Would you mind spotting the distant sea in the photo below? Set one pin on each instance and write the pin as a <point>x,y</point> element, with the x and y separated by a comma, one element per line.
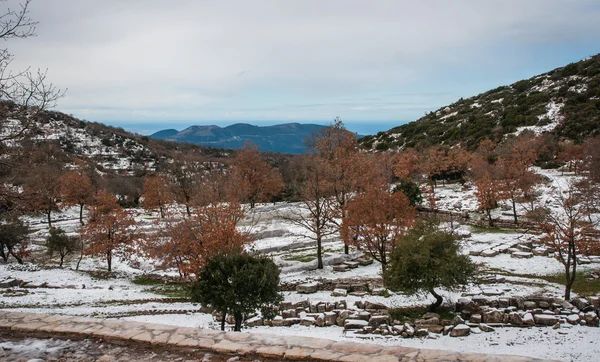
<point>147,128</point>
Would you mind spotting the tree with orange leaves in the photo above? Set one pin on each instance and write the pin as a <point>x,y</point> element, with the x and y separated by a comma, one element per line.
<point>188,244</point>
<point>337,148</point>
<point>569,229</point>
<point>376,219</point>
<point>254,180</point>
<point>407,164</point>
<point>77,189</point>
<point>110,231</point>
<point>157,194</point>
<point>487,187</point>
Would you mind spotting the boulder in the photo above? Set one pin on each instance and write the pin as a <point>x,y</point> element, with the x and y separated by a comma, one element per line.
<point>521,255</point>
<point>580,303</point>
<point>377,320</point>
<point>340,268</point>
<point>493,316</point>
<point>545,319</point>
<point>307,288</point>
<point>515,319</point>
<point>475,318</point>
<point>421,332</point>
<point>573,319</point>
<point>457,320</point>
<point>307,321</point>
<point>342,316</point>
<point>429,315</point>
<point>529,305</point>
<point>375,306</point>
<point>528,319</point>
<point>365,316</point>
<point>484,327</point>
<point>447,329</point>
<point>461,330</point>
<point>339,292</point>
<point>10,282</point>
<point>489,253</point>
<point>351,264</point>
<point>518,302</point>
<point>398,329</point>
<point>289,313</point>
<point>591,319</point>
<point>320,320</point>
<point>355,324</point>
<point>409,330</point>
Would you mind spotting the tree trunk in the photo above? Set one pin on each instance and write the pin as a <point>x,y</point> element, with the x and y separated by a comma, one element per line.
<point>319,253</point>
<point>438,300</point>
<point>514,207</point>
<point>187,209</point>
<point>162,212</point>
<point>80,256</point>
<point>3,254</point>
<point>81,214</point>
<point>346,249</point>
<point>223,317</point>
<point>238,322</point>
<point>49,218</point>
<point>490,220</point>
<point>62,258</point>
<point>109,259</point>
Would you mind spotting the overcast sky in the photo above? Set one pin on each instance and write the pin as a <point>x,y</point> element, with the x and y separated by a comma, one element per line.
<point>158,62</point>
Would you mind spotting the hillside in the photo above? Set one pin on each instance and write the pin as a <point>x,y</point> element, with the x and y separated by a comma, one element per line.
<point>282,138</point>
<point>564,102</point>
<point>112,149</point>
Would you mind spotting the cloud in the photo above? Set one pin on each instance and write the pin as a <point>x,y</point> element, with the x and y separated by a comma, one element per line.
<point>285,59</point>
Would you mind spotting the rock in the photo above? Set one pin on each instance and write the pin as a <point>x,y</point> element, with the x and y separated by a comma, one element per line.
<point>364,261</point>
<point>544,304</point>
<point>591,319</point>
<point>330,318</point>
<point>521,255</point>
<point>545,319</point>
<point>358,293</point>
<point>461,330</point>
<point>421,332</point>
<point>365,316</point>
<point>307,321</point>
<point>523,248</point>
<point>307,288</point>
<point>556,325</point>
<point>339,293</point>
<point>342,316</point>
<point>529,305</point>
<point>289,313</point>
<point>580,303</point>
<point>434,328</point>
<point>493,316</point>
<point>475,318</point>
<point>518,302</point>
<point>457,320</point>
<point>447,329</point>
<point>504,302</point>
<point>480,300</point>
<point>340,268</point>
<point>573,319</point>
<point>489,253</point>
<point>375,306</point>
<point>515,319</point>
<point>320,321</point>
<point>377,320</point>
<point>10,282</point>
<point>255,322</point>
<point>474,252</point>
<point>355,324</point>
<point>540,251</point>
<point>429,315</point>
<point>409,330</point>
<point>398,329</point>
<point>484,327</point>
<point>528,319</point>
<point>351,264</point>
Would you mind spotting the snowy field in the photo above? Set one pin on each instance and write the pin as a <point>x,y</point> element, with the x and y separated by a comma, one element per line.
<point>84,293</point>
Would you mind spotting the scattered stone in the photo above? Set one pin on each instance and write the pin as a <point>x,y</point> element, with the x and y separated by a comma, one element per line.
<point>375,306</point>
<point>339,292</point>
<point>489,253</point>
<point>528,319</point>
<point>351,264</point>
<point>521,255</point>
<point>484,327</point>
<point>355,324</point>
<point>492,316</point>
<point>457,320</point>
<point>461,330</point>
<point>515,319</point>
<point>307,288</point>
<point>544,319</point>
<point>475,318</point>
<point>340,268</point>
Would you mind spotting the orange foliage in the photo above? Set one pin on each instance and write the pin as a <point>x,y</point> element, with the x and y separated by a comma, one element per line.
<point>253,179</point>
<point>188,245</point>
<point>376,219</point>
<point>157,194</point>
<point>110,231</point>
<point>77,189</point>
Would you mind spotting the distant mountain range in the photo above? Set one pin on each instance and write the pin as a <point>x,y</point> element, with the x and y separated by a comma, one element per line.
<point>283,138</point>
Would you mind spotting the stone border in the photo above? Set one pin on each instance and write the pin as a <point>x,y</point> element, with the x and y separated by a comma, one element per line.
<point>263,345</point>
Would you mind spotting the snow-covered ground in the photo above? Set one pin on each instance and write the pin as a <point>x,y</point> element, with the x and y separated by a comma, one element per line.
<point>79,293</point>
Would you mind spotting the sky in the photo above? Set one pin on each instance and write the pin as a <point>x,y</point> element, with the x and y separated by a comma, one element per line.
<point>147,65</point>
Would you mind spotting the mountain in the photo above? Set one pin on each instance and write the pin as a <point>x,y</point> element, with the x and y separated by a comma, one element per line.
<point>283,138</point>
<point>113,149</point>
<point>564,102</point>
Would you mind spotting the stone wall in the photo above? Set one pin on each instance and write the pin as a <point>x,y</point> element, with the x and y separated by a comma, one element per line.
<point>264,346</point>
